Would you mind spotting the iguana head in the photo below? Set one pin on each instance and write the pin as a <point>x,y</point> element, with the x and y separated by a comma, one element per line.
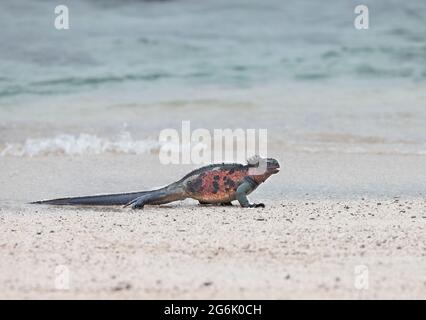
<point>262,168</point>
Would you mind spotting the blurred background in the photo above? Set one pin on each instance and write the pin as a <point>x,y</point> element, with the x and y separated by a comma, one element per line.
<point>127,69</point>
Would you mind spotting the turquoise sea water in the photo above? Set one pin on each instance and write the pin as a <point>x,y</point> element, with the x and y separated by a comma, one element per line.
<point>188,42</point>
<point>127,69</point>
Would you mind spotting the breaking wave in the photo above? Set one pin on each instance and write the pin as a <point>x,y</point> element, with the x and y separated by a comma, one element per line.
<point>81,144</point>
<point>124,143</point>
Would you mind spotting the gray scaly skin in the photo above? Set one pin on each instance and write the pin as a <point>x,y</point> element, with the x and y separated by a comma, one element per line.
<point>212,184</point>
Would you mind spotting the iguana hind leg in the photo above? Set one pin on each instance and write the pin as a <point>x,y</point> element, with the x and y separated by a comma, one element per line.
<point>154,198</point>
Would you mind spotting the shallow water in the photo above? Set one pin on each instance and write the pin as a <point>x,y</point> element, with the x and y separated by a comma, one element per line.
<point>126,70</point>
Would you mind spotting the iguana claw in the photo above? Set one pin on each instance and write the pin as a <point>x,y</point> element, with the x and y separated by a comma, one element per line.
<point>137,203</point>
<point>257,205</point>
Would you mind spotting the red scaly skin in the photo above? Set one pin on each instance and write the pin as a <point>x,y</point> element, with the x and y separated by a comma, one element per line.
<point>217,185</point>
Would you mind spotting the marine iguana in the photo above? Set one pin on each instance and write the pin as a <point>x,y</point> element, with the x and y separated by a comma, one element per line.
<point>211,184</point>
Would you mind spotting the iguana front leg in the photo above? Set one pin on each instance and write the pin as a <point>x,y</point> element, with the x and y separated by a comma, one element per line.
<point>242,191</point>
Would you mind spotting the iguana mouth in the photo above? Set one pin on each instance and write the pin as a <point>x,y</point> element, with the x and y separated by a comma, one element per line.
<point>275,168</point>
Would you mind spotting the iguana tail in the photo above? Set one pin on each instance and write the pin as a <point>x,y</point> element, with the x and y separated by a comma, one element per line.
<point>101,200</point>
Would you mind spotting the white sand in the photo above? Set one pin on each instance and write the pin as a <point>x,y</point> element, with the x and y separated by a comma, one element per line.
<point>299,246</point>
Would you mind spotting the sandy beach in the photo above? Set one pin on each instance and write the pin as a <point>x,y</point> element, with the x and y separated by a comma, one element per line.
<point>84,109</point>
<point>301,245</point>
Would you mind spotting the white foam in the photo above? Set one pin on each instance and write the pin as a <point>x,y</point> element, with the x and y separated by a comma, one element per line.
<point>81,144</point>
